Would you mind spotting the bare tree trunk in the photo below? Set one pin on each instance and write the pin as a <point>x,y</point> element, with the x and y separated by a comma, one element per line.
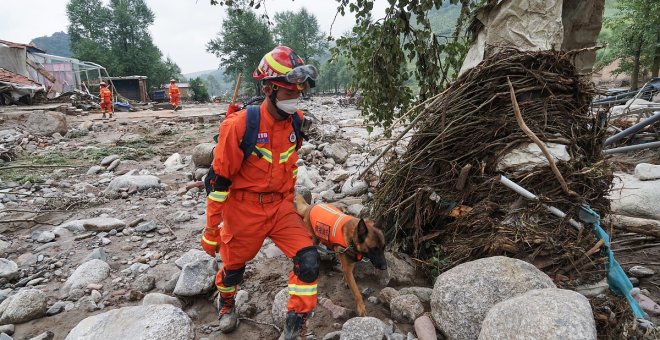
<point>634,77</point>
<point>656,58</point>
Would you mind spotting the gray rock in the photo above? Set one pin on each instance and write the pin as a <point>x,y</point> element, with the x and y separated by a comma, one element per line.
<point>181,216</point>
<point>278,310</point>
<point>337,152</point>
<point>94,169</point>
<point>4,336</point>
<point>191,256</point>
<point>196,278</point>
<point>174,162</point>
<point>527,157</point>
<point>4,247</point>
<point>338,175</point>
<point>94,224</point>
<point>43,236</point>
<point>541,314</point>
<point>400,268</point>
<point>171,283</point>
<point>144,283</point>
<point>336,335</point>
<point>26,305</point>
<point>8,269</point>
<point>423,293</point>
<point>425,329</point>
<point>7,329</point>
<point>406,308</point>
<point>647,172</point>
<point>56,308</point>
<point>48,335</point>
<point>355,209</point>
<point>150,322</point>
<point>47,123</point>
<point>242,297</point>
<point>96,254</point>
<point>593,290</point>
<point>463,295</point>
<point>631,197</point>
<point>92,271</point>
<point>354,187</point>
<point>202,155</point>
<point>364,328</point>
<point>109,159</point>
<point>146,227</point>
<point>136,268</point>
<point>641,272</point>
<point>160,299</point>
<point>386,295</point>
<point>139,182</point>
<point>113,165</point>
<point>200,173</point>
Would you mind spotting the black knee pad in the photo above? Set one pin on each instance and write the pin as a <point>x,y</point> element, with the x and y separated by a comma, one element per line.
<point>306,264</point>
<point>232,277</point>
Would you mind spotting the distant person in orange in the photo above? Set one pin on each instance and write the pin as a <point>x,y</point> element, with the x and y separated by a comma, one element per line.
<point>174,94</point>
<point>106,99</point>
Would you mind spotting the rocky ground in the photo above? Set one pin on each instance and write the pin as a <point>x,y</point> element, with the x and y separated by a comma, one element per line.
<point>104,226</point>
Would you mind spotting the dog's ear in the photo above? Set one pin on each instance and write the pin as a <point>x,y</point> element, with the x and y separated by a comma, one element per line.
<point>362,231</point>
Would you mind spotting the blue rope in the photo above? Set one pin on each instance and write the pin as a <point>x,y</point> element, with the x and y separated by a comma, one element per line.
<point>616,278</point>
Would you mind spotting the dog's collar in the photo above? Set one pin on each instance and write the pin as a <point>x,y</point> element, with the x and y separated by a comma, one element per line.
<point>358,255</point>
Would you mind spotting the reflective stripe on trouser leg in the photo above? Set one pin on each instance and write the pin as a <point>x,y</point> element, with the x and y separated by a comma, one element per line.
<point>302,295</point>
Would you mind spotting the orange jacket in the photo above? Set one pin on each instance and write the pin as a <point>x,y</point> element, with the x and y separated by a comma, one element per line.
<point>174,90</point>
<point>328,222</point>
<point>106,94</point>
<point>276,171</point>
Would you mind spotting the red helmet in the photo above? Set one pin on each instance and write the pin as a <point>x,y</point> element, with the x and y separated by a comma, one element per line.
<point>284,68</point>
<point>103,83</point>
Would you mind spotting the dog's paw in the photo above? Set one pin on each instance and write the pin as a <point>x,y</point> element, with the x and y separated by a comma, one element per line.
<point>361,310</point>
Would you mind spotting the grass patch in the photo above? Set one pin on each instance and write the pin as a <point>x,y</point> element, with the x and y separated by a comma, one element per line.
<point>52,158</point>
<point>21,176</point>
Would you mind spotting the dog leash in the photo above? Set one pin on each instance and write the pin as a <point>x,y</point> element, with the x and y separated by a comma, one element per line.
<point>327,251</point>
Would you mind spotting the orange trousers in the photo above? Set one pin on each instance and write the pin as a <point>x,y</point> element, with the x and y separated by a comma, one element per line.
<point>246,224</point>
<point>106,106</point>
<point>174,100</point>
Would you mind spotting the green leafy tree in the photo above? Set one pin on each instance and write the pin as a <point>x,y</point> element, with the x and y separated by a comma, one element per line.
<point>633,38</point>
<point>336,76</point>
<point>242,42</point>
<point>117,37</point>
<point>301,32</point>
<point>391,53</point>
<point>199,91</point>
<point>213,85</point>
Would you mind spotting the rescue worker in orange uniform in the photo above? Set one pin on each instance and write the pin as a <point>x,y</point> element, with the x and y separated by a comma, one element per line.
<point>106,99</point>
<point>174,94</point>
<point>252,199</point>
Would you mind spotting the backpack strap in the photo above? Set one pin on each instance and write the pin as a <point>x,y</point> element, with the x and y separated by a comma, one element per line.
<point>297,129</point>
<point>249,142</point>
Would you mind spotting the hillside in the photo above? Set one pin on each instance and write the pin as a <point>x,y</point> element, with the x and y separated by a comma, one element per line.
<point>56,44</point>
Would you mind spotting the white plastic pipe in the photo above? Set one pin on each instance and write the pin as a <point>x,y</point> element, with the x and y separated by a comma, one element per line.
<point>524,193</point>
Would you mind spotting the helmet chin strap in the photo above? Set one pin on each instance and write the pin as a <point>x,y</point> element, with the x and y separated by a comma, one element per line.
<point>273,100</point>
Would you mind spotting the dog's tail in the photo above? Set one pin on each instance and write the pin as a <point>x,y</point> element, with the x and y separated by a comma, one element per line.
<point>300,204</point>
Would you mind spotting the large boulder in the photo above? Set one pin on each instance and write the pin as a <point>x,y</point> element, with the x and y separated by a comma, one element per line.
<point>541,314</point>
<point>47,123</point>
<point>337,152</point>
<point>137,182</point>
<point>354,186</point>
<point>364,328</point>
<point>8,269</point>
<point>101,223</point>
<point>202,155</point>
<point>22,307</point>
<point>527,157</point>
<point>647,172</point>
<point>406,308</point>
<point>150,322</point>
<point>463,295</point>
<point>92,271</point>
<point>632,197</point>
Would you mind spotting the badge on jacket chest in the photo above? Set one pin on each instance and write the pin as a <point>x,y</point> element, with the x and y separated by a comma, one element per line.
<point>262,137</point>
<point>292,137</point>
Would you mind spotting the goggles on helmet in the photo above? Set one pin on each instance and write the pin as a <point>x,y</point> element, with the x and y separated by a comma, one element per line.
<point>298,75</point>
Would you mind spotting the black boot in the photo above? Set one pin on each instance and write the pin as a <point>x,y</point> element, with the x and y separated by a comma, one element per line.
<point>295,326</point>
<point>228,316</point>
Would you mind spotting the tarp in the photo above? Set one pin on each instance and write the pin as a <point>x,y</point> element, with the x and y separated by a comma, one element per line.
<point>13,60</point>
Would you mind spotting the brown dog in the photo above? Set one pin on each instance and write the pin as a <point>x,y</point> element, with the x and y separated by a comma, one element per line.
<point>349,237</point>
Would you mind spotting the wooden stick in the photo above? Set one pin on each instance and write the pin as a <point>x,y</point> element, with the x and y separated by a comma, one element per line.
<point>538,142</point>
<point>636,225</point>
<point>237,88</point>
<point>463,176</point>
<point>39,166</point>
<point>262,323</point>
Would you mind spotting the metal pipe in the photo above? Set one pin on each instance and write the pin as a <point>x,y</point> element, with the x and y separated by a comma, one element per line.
<point>524,193</point>
<point>631,148</point>
<point>633,129</point>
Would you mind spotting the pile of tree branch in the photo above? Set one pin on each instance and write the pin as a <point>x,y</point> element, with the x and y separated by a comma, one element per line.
<point>450,168</point>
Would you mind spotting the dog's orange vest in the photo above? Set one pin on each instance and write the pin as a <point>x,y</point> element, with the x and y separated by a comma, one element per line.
<point>328,222</point>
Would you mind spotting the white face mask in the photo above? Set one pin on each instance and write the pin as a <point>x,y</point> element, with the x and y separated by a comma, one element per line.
<point>289,105</point>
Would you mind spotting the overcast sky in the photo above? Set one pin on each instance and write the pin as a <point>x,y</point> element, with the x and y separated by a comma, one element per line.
<point>181,28</point>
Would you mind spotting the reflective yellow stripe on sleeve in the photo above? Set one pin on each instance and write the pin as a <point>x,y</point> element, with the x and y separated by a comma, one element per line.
<point>218,196</point>
<point>230,289</point>
<point>302,290</point>
<point>207,241</point>
<point>284,156</point>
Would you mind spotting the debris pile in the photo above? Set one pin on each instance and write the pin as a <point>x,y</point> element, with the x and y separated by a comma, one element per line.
<point>471,136</point>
